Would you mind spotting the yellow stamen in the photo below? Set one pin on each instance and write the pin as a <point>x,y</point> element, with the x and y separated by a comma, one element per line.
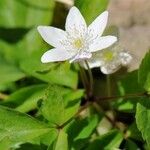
<point>78,43</point>
<point>108,55</point>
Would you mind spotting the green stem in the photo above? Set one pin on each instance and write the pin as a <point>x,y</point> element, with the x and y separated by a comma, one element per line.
<point>144,94</point>
<point>76,115</point>
<point>84,79</point>
<point>90,78</point>
<point>108,84</point>
<point>101,111</point>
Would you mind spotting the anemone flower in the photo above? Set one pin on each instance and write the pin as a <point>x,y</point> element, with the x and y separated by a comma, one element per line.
<point>109,60</point>
<point>78,41</point>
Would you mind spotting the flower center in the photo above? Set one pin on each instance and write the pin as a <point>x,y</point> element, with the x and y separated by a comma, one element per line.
<point>78,43</point>
<point>108,55</point>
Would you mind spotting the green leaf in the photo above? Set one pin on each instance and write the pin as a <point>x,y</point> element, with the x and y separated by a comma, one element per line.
<point>13,55</point>
<point>80,130</point>
<point>109,141</point>
<point>130,145</point>
<point>56,73</point>
<point>19,127</point>
<point>147,83</point>
<point>49,138</point>
<point>9,72</point>
<point>142,119</point>
<point>24,48</point>
<point>5,144</point>
<point>25,99</point>
<point>126,87</point>
<point>25,13</point>
<point>133,132</point>
<point>88,129</point>
<point>16,53</point>
<point>60,104</point>
<point>91,9</point>
<point>62,141</point>
<point>144,72</point>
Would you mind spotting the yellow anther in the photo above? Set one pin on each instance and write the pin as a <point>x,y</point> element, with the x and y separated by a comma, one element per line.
<point>108,55</point>
<point>78,43</point>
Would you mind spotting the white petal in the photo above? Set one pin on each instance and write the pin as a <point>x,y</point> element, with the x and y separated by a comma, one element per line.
<point>52,36</point>
<point>55,55</point>
<point>75,22</point>
<point>125,58</point>
<point>92,64</point>
<point>97,27</point>
<point>95,62</point>
<point>81,56</point>
<point>102,43</point>
<point>109,68</point>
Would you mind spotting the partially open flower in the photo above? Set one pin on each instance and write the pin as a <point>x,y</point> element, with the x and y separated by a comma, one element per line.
<point>78,42</point>
<point>109,60</point>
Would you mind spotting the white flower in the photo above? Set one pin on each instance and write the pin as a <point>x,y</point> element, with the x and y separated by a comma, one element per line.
<point>109,60</point>
<point>78,42</point>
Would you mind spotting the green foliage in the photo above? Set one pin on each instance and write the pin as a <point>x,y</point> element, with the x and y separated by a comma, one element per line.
<point>130,145</point>
<point>91,9</point>
<point>9,73</point>
<point>80,131</point>
<point>144,72</point>
<point>26,99</point>
<point>49,138</point>
<point>133,132</point>
<point>61,116</point>
<point>126,87</point>
<point>60,104</point>
<point>143,108</point>
<point>108,141</point>
<point>51,73</point>
<point>21,13</point>
<point>88,129</point>
<point>142,119</point>
<point>18,127</point>
<point>62,141</point>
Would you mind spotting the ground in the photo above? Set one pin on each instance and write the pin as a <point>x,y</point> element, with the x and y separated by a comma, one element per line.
<point>132,18</point>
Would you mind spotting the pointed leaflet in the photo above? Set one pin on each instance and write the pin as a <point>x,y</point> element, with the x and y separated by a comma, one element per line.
<point>144,72</point>
<point>52,72</point>
<point>126,87</point>
<point>19,127</point>
<point>107,141</point>
<point>142,119</point>
<point>60,104</point>
<point>62,141</point>
<point>25,99</point>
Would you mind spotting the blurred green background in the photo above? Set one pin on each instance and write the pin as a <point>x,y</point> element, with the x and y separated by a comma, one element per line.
<point>23,78</point>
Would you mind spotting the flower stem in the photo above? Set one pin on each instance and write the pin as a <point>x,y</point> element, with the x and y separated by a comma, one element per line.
<point>90,78</point>
<point>99,109</point>
<point>108,84</point>
<point>144,94</point>
<point>84,78</point>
